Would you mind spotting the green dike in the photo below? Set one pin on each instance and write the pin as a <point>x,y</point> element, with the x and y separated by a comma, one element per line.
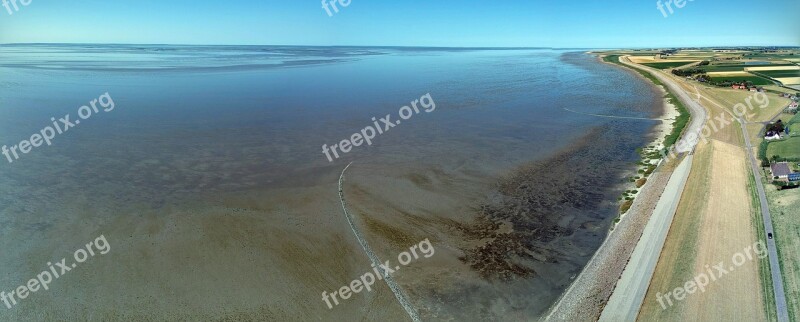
<point>681,121</point>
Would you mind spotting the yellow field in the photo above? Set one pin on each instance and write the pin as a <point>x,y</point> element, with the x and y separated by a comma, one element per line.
<point>642,59</point>
<point>728,98</point>
<point>789,80</point>
<point>715,220</point>
<point>729,74</point>
<point>768,68</point>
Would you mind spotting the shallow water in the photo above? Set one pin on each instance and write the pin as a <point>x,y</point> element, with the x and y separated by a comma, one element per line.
<point>194,125</point>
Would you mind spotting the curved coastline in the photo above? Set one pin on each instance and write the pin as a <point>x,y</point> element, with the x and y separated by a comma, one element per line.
<point>586,297</point>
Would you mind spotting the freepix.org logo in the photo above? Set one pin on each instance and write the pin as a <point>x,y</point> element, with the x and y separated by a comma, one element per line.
<point>668,5</point>
<point>332,6</point>
<point>12,6</point>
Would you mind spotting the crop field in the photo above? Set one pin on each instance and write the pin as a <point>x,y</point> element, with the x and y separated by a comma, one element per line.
<point>724,68</point>
<point>775,67</point>
<point>668,65</point>
<point>789,148</point>
<point>781,73</point>
<point>756,80</point>
<point>789,80</point>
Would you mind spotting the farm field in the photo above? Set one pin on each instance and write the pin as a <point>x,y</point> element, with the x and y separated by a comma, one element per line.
<point>784,204</point>
<point>709,213</point>
<point>789,148</point>
<point>789,80</point>
<point>724,68</point>
<point>756,80</point>
<point>668,65</point>
<point>781,73</point>
<point>775,67</point>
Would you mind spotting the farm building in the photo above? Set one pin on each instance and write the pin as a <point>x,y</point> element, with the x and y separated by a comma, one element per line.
<point>780,170</point>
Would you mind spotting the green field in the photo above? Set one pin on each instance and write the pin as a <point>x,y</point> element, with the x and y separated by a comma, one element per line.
<point>736,67</point>
<point>780,73</point>
<point>666,65</point>
<point>789,148</point>
<point>724,68</point>
<point>753,79</point>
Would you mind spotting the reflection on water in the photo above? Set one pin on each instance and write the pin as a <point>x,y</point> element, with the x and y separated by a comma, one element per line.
<point>194,125</point>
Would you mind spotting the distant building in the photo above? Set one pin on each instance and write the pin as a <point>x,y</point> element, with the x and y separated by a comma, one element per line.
<point>780,170</point>
<point>772,135</point>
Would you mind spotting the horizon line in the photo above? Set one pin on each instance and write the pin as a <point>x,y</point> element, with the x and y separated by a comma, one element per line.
<point>404,46</point>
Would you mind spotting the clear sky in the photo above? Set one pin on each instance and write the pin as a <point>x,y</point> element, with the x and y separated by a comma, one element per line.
<point>483,23</point>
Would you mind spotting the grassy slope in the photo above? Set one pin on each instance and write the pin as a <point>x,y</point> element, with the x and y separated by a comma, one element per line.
<point>666,65</point>
<point>764,272</point>
<point>681,121</point>
<point>786,220</point>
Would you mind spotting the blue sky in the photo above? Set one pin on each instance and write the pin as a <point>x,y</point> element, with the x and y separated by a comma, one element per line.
<point>534,23</point>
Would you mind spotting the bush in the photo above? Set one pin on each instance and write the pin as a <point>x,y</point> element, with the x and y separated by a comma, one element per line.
<point>625,206</point>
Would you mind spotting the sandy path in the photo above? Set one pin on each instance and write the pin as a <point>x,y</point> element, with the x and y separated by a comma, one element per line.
<point>630,291</point>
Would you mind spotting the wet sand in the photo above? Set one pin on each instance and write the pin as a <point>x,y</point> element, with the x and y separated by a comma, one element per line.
<point>239,218</point>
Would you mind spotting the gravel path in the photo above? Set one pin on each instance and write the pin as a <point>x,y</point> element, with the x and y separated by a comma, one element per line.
<point>629,292</point>
<point>588,294</point>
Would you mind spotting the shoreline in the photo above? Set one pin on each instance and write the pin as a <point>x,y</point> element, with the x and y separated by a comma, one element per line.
<point>669,115</point>
<point>588,293</point>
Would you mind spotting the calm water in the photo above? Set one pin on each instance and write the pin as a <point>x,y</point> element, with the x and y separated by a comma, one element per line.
<point>194,123</point>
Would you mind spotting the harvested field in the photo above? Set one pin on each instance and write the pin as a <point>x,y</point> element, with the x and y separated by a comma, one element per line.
<point>789,80</point>
<point>715,220</point>
<point>728,73</point>
<point>772,68</point>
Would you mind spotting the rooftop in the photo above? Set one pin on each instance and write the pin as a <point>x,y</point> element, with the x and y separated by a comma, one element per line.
<point>780,169</point>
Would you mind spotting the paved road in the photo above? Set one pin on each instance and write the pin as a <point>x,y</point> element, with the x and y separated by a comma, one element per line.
<point>699,114</point>
<point>774,264</point>
<point>695,107</point>
<point>631,289</point>
<point>629,293</point>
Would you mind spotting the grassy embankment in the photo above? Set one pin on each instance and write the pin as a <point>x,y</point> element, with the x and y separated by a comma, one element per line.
<point>668,64</point>
<point>650,154</point>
